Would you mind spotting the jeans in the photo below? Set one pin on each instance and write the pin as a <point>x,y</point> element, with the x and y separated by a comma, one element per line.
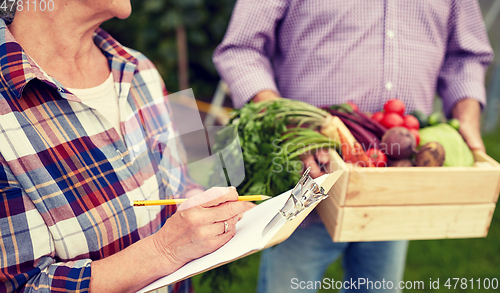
<point>308,252</point>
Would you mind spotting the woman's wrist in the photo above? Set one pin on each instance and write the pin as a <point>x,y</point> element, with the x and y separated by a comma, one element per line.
<point>163,255</point>
<point>132,268</point>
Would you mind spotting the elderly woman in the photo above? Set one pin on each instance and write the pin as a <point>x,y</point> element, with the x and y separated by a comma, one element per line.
<point>73,104</point>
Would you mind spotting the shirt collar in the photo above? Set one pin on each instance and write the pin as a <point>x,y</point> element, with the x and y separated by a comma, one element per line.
<point>18,69</point>
<point>112,48</point>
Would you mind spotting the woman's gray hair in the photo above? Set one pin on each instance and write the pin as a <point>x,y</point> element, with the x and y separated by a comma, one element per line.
<point>7,15</point>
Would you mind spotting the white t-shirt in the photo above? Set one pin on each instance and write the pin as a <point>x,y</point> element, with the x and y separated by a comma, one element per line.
<point>104,99</point>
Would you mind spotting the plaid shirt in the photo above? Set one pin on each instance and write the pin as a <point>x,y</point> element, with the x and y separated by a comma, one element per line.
<point>67,177</point>
<point>328,52</point>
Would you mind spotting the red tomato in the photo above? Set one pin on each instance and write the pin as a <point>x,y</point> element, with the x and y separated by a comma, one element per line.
<point>377,116</point>
<point>416,134</point>
<point>378,158</point>
<point>411,122</point>
<point>394,106</point>
<point>391,120</point>
<point>354,107</point>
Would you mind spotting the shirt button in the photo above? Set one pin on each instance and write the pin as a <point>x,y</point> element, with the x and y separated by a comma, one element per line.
<point>388,86</point>
<point>390,34</point>
<point>120,154</point>
<point>137,148</point>
<point>60,89</point>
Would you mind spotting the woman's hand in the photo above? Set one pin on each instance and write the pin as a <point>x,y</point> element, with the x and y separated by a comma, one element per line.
<point>198,227</point>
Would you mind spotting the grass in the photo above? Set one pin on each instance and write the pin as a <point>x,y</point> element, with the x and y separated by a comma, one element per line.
<point>427,259</point>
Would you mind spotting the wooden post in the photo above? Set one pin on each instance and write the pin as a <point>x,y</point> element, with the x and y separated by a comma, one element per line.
<point>183,57</point>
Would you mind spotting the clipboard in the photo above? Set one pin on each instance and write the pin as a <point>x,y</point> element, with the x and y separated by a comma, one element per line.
<point>295,205</point>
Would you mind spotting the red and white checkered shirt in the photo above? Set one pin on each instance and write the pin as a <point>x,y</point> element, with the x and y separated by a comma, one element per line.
<point>66,175</point>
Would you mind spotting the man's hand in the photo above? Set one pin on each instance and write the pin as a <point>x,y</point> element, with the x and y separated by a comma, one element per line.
<point>265,95</point>
<point>317,161</point>
<point>468,112</point>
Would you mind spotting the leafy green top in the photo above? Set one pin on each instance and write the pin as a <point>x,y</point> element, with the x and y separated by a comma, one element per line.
<point>273,134</point>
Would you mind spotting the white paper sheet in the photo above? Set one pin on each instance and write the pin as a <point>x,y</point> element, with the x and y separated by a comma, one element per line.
<point>248,237</point>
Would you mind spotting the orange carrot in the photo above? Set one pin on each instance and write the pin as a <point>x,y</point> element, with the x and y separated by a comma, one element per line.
<point>362,156</point>
<point>354,154</point>
<point>346,149</point>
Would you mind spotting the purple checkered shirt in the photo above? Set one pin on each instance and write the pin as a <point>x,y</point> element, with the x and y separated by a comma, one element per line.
<point>328,52</point>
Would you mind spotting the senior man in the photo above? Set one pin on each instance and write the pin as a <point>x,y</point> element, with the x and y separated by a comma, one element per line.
<point>366,51</point>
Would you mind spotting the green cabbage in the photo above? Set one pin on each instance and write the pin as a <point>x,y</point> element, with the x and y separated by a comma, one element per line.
<point>457,152</point>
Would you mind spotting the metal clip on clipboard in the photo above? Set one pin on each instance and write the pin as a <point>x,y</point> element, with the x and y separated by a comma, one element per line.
<point>303,195</point>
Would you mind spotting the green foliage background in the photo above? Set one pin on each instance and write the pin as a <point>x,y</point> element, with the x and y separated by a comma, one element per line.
<point>151,29</point>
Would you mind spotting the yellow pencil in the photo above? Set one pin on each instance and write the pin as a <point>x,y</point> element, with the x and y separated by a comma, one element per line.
<point>140,203</point>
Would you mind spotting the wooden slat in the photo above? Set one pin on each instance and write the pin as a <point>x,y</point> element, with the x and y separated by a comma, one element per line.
<point>413,186</point>
<point>483,157</point>
<point>480,156</point>
<point>331,214</point>
<point>416,222</point>
<point>417,185</point>
<point>339,190</point>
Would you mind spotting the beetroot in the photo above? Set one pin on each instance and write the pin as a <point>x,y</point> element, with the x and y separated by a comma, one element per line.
<point>398,143</point>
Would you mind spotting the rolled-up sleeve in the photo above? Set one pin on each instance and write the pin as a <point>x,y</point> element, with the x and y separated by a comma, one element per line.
<point>243,57</point>
<point>27,260</point>
<point>467,57</point>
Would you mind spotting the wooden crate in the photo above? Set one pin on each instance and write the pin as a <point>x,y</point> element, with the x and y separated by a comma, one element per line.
<point>375,204</point>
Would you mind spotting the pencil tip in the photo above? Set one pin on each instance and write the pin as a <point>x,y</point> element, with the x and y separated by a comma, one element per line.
<point>264,197</point>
